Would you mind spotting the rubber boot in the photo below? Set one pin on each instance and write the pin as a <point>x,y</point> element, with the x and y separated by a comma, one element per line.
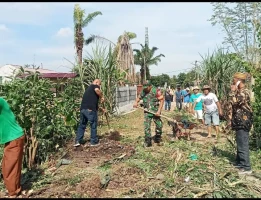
<point>157,138</point>
<point>147,142</point>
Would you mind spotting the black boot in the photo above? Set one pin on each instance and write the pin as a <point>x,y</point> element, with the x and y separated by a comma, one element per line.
<point>147,142</point>
<point>157,138</point>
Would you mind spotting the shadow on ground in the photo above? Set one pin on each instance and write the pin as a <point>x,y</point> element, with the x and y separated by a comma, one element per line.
<point>30,177</point>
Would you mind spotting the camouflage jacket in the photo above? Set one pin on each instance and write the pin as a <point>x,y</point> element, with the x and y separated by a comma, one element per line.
<point>240,110</point>
<point>150,100</point>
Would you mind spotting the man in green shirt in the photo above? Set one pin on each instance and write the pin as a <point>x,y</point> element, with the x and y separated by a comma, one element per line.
<point>12,136</point>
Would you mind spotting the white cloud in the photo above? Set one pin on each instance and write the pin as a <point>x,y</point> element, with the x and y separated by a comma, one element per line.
<point>65,32</point>
<point>3,27</point>
<point>179,30</point>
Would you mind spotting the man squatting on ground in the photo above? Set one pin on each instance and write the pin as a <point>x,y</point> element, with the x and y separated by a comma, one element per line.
<point>12,136</point>
<point>153,101</point>
<point>241,116</point>
<point>89,113</point>
<point>212,109</point>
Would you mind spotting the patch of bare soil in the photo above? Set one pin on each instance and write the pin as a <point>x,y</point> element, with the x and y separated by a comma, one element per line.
<point>125,178</point>
<point>91,187</point>
<point>87,158</point>
<point>109,148</point>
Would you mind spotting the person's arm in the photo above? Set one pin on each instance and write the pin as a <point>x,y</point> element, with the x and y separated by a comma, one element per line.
<point>1,105</point>
<point>135,105</point>
<point>243,97</point>
<point>197,100</point>
<point>190,104</point>
<point>160,97</point>
<point>99,93</point>
<point>218,104</point>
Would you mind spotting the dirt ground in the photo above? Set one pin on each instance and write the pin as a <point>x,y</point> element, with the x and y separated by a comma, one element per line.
<point>118,167</point>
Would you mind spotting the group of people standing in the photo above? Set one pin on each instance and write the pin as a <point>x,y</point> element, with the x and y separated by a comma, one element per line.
<point>182,98</point>
<point>205,106</point>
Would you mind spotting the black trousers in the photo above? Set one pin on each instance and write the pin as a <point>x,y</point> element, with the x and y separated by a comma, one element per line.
<point>243,157</point>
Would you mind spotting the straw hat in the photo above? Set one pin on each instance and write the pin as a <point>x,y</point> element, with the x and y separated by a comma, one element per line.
<point>206,87</point>
<point>187,88</point>
<point>240,75</point>
<point>196,88</point>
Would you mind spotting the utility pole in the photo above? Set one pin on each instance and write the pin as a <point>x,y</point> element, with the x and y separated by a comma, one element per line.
<point>144,56</point>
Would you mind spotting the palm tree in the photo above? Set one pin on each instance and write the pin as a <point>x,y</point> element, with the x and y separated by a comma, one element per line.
<point>81,22</point>
<point>145,58</point>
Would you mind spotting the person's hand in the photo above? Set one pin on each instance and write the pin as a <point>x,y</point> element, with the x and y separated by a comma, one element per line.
<point>157,114</point>
<point>233,88</point>
<point>102,100</point>
<point>104,110</point>
<point>221,113</point>
<point>229,123</point>
<point>135,105</point>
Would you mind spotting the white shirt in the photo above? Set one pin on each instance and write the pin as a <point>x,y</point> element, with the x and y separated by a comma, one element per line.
<point>209,101</point>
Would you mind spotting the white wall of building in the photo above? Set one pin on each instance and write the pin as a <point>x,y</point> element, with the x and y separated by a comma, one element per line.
<point>7,72</point>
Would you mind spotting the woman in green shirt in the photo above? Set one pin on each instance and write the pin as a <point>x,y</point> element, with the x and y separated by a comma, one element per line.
<point>12,136</point>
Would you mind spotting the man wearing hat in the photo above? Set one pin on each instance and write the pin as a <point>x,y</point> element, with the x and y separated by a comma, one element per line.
<point>241,116</point>
<point>212,109</point>
<point>153,101</point>
<point>198,110</point>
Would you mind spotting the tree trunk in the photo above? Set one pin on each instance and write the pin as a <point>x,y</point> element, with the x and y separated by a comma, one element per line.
<point>147,73</point>
<point>79,56</point>
<point>142,74</point>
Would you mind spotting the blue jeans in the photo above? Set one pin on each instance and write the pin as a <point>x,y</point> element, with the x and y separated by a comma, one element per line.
<point>167,104</point>
<point>242,140</point>
<point>85,117</point>
<point>179,104</point>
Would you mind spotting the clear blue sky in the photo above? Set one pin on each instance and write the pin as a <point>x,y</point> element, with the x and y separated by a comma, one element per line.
<point>44,31</point>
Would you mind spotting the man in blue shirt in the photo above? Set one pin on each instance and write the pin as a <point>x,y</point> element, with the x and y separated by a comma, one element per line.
<point>179,98</point>
<point>198,110</point>
<point>186,95</point>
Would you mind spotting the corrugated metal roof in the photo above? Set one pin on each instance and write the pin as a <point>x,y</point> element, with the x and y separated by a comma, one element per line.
<point>54,75</point>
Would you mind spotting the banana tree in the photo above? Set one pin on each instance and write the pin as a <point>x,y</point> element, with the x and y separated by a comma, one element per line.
<point>145,58</point>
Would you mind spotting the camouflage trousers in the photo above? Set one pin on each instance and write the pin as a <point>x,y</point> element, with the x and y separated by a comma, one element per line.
<point>147,124</point>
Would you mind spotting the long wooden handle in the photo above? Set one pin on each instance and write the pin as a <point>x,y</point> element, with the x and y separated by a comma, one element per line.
<point>155,113</point>
<point>106,116</point>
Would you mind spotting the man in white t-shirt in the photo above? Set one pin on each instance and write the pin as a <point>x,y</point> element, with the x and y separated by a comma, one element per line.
<point>212,109</point>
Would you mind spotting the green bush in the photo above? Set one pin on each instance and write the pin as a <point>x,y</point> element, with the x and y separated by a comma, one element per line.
<point>48,122</point>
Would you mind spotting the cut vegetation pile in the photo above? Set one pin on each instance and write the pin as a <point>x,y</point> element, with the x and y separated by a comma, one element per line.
<point>125,168</point>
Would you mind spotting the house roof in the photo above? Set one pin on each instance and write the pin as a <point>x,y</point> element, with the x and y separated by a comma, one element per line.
<point>58,75</point>
<point>42,71</point>
<point>54,75</point>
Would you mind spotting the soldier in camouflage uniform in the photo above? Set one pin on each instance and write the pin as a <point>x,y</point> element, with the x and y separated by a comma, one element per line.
<point>153,101</point>
<point>241,116</point>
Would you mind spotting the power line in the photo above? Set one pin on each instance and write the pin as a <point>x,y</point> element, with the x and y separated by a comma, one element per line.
<point>172,71</point>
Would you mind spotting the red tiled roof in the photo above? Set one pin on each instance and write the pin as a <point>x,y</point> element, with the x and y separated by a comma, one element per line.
<point>54,75</point>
